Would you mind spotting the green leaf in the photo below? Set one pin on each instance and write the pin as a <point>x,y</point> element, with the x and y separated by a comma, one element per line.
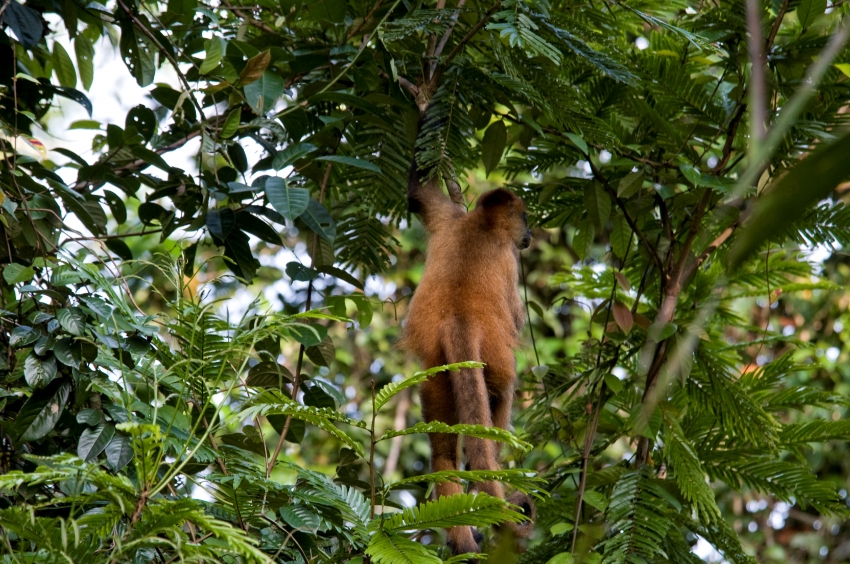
<point>387,392</point>
<point>119,451</point>
<point>692,174</point>
<point>328,10</point>
<point>564,557</point>
<point>583,238</point>
<point>630,184</point>
<point>322,354</point>
<point>25,22</point>
<point>120,248</point>
<point>351,161</point>
<point>268,375</point>
<point>451,511</point>
<point>493,145</point>
<point>261,94</point>
<point>809,10</point>
<point>68,351</point>
<point>578,142</point>
<point>14,273</point>
<point>41,411</point>
<point>72,320</point>
<point>22,336</point>
<point>300,273</point>
<point>231,124</point>
<point>598,204</point>
<point>39,371</point>
<point>85,60</point>
<point>519,479</point>
<point>844,68</point>
<point>319,220</point>
<point>64,67</point>
<point>300,517</point>
<point>213,49</point>
<point>621,235</point>
<point>90,417</point>
<point>478,431</point>
<point>784,202</point>
<point>387,548</point>
<point>288,202</point>
<point>341,274</point>
<point>221,222</point>
<point>94,440</point>
<point>85,124</point>
<point>307,334</point>
<point>291,154</point>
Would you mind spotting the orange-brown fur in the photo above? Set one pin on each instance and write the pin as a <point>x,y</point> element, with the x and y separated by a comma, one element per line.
<point>468,307</point>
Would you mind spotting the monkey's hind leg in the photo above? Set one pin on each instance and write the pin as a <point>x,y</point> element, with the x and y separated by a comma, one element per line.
<point>438,405</point>
<point>500,375</point>
<point>473,403</point>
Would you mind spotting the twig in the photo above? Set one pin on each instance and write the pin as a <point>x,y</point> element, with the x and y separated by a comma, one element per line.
<point>462,43</point>
<point>604,181</point>
<point>372,443</point>
<point>3,9</point>
<point>251,21</point>
<point>398,424</point>
<point>775,27</point>
<point>371,13</point>
<point>117,236</point>
<point>165,52</point>
<point>757,88</point>
<point>442,44</point>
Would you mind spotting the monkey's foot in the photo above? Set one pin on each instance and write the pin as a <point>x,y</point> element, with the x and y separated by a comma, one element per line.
<point>526,505</point>
<point>464,539</point>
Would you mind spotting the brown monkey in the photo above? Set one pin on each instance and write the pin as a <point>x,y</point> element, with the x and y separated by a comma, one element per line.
<point>468,307</point>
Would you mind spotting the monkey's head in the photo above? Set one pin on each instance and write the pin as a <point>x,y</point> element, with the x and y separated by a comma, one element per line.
<point>504,211</point>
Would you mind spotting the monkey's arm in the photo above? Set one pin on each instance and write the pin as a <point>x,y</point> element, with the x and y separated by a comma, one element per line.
<point>428,201</point>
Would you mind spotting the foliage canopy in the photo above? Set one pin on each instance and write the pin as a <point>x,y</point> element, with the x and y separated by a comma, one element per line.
<point>673,182</point>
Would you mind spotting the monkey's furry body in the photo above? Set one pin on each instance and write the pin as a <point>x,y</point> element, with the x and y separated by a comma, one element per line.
<point>468,307</point>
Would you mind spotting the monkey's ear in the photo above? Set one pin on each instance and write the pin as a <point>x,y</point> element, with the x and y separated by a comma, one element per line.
<point>496,198</point>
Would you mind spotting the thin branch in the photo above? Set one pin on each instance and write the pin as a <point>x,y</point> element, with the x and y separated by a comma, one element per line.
<point>251,21</point>
<point>165,52</point>
<point>775,27</point>
<point>368,17</point>
<point>3,9</point>
<point>462,43</point>
<point>613,193</point>
<point>442,44</point>
<point>430,63</point>
<point>758,89</point>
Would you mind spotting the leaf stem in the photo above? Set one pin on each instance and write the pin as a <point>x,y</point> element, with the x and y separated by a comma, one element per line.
<point>372,443</point>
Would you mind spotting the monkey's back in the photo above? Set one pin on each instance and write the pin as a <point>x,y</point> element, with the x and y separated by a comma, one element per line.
<point>468,292</point>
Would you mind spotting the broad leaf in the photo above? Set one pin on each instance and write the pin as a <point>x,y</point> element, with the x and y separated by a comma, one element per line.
<point>288,202</point>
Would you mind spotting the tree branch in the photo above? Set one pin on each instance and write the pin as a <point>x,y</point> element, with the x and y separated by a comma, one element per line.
<point>462,43</point>
<point>613,193</point>
<point>442,44</point>
<point>251,21</point>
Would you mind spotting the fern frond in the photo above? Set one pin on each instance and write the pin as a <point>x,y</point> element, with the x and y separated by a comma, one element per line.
<point>478,431</point>
<point>519,479</point>
<point>391,389</point>
<point>452,511</point>
<point>387,548</point>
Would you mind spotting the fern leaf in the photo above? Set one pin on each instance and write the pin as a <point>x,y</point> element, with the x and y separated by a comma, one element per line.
<point>478,431</point>
<point>388,391</point>
<point>387,548</point>
<point>452,511</point>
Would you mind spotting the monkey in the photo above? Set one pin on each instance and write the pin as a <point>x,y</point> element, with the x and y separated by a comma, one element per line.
<point>468,307</point>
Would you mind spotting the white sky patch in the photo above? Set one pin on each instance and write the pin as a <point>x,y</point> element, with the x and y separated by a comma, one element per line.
<point>641,43</point>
